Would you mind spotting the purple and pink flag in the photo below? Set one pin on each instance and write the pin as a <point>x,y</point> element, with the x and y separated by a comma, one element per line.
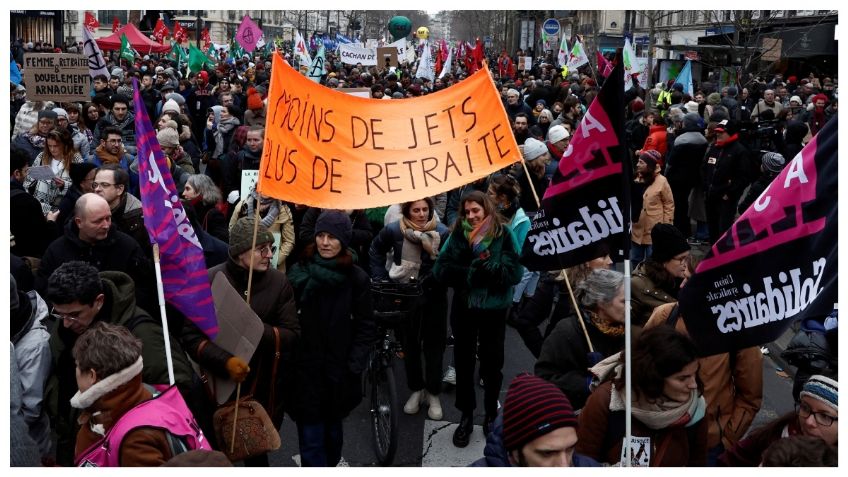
<point>248,34</point>
<point>184,278</point>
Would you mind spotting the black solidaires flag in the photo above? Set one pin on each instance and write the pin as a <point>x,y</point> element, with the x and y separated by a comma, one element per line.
<point>586,209</point>
<point>777,263</point>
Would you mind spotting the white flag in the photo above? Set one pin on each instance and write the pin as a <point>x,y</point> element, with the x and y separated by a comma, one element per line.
<point>562,56</point>
<point>425,64</point>
<point>447,65</point>
<point>96,62</point>
<point>301,50</point>
<point>578,57</point>
<point>631,65</point>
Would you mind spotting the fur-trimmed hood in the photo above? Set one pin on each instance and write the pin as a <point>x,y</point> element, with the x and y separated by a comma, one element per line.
<point>84,400</point>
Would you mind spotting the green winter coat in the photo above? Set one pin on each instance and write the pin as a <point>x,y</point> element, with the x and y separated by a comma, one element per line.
<point>484,283</point>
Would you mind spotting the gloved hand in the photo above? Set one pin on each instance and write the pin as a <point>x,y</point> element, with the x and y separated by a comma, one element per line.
<point>237,368</point>
<point>233,197</point>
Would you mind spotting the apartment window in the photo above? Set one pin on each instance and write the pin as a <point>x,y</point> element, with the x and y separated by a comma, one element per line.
<point>106,17</point>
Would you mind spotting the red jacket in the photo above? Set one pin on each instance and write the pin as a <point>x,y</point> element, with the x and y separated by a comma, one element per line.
<point>657,141</point>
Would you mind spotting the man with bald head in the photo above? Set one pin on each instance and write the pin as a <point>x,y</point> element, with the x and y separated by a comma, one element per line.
<point>91,237</point>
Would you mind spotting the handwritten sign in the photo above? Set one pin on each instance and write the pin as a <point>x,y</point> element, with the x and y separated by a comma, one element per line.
<point>248,182</point>
<point>58,77</point>
<point>330,150</point>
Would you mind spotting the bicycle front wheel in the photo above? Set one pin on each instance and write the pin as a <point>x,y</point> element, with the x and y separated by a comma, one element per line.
<point>384,414</point>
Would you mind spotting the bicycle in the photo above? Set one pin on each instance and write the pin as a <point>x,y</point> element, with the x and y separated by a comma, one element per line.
<point>393,303</point>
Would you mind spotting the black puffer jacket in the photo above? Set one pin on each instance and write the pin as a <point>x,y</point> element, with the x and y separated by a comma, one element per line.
<point>684,159</point>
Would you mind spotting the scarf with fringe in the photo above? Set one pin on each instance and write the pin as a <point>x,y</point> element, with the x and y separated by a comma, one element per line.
<point>414,240</point>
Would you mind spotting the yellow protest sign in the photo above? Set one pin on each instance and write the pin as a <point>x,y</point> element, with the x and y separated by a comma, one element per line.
<point>331,150</point>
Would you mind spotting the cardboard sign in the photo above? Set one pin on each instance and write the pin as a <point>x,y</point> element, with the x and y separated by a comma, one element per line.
<point>57,77</point>
<point>248,182</point>
<point>326,150</point>
<point>240,331</point>
<point>387,58</point>
<point>525,63</point>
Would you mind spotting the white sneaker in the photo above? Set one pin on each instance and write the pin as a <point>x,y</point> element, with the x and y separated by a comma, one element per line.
<point>435,407</point>
<point>450,376</point>
<point>415,399</point>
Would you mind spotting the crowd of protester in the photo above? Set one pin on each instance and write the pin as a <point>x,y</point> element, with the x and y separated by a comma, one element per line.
<point>81,263</point>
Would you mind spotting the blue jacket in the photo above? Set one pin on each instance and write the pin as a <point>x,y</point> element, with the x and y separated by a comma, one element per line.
<point>495,454</point>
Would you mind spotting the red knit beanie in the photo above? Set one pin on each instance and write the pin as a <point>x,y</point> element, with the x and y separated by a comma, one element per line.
<point>637,105</point>
<point>533,408</point>
<point>254,99</point>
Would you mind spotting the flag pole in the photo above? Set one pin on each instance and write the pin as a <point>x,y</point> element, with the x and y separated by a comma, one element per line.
<point>161,292</point>
<point>529,181</point>
<point>627,353</point>
<point>253,246</point>
<point>577,310</point>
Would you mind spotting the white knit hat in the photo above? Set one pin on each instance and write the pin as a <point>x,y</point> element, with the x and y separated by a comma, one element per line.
<point>533,148</point>
<point>171,105</point>
<point>557,133</point>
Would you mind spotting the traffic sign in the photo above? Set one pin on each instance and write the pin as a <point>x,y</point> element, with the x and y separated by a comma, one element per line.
<point>551,26</point>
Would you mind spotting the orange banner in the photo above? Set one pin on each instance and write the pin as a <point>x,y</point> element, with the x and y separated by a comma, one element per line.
<point>331,150</point>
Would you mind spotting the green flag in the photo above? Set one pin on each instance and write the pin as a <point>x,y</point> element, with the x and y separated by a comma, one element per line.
<point>126,52</point>
<point>177,53</point>
<point>211,52</point>
<point>196,58</point>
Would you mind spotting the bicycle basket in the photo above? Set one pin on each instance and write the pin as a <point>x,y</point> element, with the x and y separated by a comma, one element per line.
<point>393,302</point>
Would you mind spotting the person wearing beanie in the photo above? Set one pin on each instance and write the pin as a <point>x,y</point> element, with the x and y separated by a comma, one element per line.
<point>772,165</point>
<point>683,167</point>
<point>171,106</point>
<point>272,299</point>
<point>557,143</point>
<point>339,331</point>
<point>657,280</point>
<point>656,205</point>
<point>537,158</point>
<point>816,414</point>
<point>726,170</point>
<point>818,118</point>
<point>667,402</point>
<point>536,428</point>
<point>255,114</point>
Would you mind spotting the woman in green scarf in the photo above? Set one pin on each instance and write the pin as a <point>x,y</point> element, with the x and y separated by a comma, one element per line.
<point>337,331</point>
<point>479,260</point>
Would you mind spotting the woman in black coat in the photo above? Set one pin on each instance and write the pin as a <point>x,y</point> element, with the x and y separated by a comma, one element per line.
<point>337,333</point>
<point>565,358</point>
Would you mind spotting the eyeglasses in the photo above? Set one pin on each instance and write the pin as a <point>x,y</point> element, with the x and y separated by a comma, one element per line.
<point>681,260</point>
<point>272,249</point>
<point>822,419</point>
<point>104,185</point>
<point>63,316</point>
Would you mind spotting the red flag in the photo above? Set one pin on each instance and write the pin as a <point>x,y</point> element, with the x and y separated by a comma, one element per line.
<point>160,31</point>
<point>479,55</point>
<point>206,39</point>
<point>443,50</point>
<point>604,67</point>
<point>180,35</point>
<point>116,25</point>
<point>90,22</point>
<point>506,68</point>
